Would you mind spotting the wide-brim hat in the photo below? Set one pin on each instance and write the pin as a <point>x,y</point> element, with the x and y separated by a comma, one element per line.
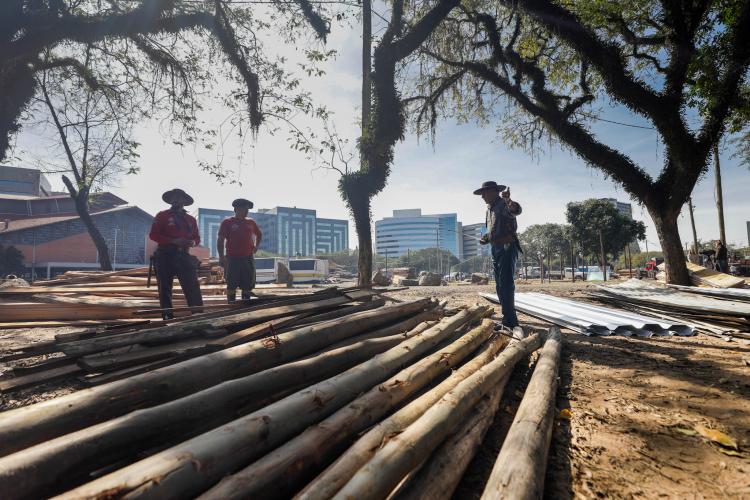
<point>489,185</point>
<point>242,202</point>
<point>169,196</point>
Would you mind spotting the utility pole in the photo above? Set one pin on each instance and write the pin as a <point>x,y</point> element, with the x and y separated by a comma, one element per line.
<point>604,262</point>
<point>719,196</point>
<point>692,223</point>
<point>366,63</point>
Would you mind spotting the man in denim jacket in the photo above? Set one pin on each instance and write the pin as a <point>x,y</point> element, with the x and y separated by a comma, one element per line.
<point>501,234</point>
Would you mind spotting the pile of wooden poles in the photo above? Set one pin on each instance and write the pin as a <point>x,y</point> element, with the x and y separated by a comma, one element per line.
<point>100,355</point>
<point>93,297</point>
<point>393,400</point>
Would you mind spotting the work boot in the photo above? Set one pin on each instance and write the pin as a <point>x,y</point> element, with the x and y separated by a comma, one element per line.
<point>231,297</point>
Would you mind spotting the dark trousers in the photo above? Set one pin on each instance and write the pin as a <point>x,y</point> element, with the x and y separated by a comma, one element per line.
<point>722,265</point>
<point>171,263</point>
<point>504,264</point>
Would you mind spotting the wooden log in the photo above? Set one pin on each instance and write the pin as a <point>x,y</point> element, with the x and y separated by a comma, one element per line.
<point>402,453</point>
<point>183,470</point>
<point>23,427</point>
<point>49,467</point>
<point>346,310</point>
<point>183,331</point>
<point>520,466</point>
<point>281,472</point>
<point>137,354</point>
<point>337,474</point>
<point>438,478</point>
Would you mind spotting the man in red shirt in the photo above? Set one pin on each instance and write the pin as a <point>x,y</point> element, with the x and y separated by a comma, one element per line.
<point>242,237</point>
<point>176,231</point>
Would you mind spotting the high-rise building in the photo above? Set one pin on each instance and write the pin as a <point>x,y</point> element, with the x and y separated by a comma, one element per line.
<point>286,231</point>
<point>331,235</point>
<point>471,234</point>
<point>409,230</point>
<point>621,206</point>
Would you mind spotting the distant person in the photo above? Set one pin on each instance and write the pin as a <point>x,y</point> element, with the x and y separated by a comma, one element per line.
<point>692,256</point>
<point>501,235</point>
<point>176,231</point>
<point>242,236</point>
<point>722,257</point>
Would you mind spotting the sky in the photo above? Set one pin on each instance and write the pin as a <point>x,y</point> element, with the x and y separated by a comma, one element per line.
<point>437,177</point>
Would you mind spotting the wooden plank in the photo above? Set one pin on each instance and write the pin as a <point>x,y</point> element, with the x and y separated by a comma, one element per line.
<point>17,383</point>
<point>714,278</point>
<point>138,355</point>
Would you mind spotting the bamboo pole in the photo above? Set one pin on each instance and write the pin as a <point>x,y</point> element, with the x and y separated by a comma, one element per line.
<point>520,466</point>
<point>401,454</point>
<point>40,422</point>
<point>195,465</point>
<point>337,474</point>
<point>282,471</point>
<point>49,467</point>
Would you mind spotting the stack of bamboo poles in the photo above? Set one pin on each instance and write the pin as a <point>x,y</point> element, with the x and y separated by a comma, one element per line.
<point>365,405</point>
<point>97,355</point>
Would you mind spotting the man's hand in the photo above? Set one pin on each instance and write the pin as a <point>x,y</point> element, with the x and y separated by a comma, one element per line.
<point>506,195</point>
<point>183,242</point>
<point>484,239</point>
<point>255,250</point>
<point>222,261</point>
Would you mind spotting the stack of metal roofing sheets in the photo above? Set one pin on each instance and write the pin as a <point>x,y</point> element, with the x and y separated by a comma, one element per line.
<point>723,313</point>
<point>590,319</point>
<point>720,293</point>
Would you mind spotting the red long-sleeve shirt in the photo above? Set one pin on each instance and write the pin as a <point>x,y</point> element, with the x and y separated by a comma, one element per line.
<point>171,224</point>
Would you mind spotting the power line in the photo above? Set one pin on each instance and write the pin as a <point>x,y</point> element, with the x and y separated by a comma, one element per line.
<point>617,123</point>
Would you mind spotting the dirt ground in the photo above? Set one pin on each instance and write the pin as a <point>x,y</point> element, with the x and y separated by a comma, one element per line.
<point>634,405</point>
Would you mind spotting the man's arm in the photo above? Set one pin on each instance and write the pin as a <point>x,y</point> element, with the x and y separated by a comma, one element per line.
<point>220,249</point>
<point>156,232</point>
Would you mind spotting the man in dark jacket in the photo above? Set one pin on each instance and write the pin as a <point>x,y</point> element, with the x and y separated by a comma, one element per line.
<point>501,234</point>
<point>722,257</point>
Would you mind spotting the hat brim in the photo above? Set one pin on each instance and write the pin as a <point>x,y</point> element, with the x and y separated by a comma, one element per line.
<point>167,197</point>
<point>242,203</point>
<point>497,188</point>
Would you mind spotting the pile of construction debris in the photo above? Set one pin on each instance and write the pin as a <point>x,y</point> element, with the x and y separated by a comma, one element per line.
<point>329,396</point>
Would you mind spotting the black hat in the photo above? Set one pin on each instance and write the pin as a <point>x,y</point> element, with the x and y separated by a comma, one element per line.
<point>242,202</point>
<point>487,185</point>
<point>169,195</point>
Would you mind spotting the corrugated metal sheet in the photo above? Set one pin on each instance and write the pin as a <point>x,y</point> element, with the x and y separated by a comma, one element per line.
<point>722,293</point>
<point>641,292</point>
<point>590,319</point>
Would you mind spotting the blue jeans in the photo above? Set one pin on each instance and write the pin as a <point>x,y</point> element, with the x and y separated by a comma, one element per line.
<point>504,264</point>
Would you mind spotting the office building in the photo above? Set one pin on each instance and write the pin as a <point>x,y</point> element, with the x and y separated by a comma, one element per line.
<point>409,230</point>
<point>471,234</point>
<point>622,207</point>
<point>23,183</point>
<point>287,231</point>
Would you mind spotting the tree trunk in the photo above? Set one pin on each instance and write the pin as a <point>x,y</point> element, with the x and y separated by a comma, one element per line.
<point>671,246</point>
<point>178,472</point>
<point>81,200</point>
<point>361,212</point>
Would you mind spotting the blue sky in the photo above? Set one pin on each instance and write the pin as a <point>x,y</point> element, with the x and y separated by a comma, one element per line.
<point>435,177</point>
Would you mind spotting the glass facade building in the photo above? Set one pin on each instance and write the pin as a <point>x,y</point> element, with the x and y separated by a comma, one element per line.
<point>471,234</point>
<point>409,230</point>
<point>286,231</point>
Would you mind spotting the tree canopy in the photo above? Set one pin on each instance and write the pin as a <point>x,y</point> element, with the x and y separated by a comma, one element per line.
<point>587,219</point>
<point>168,50</point>
<point>543,69</point>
